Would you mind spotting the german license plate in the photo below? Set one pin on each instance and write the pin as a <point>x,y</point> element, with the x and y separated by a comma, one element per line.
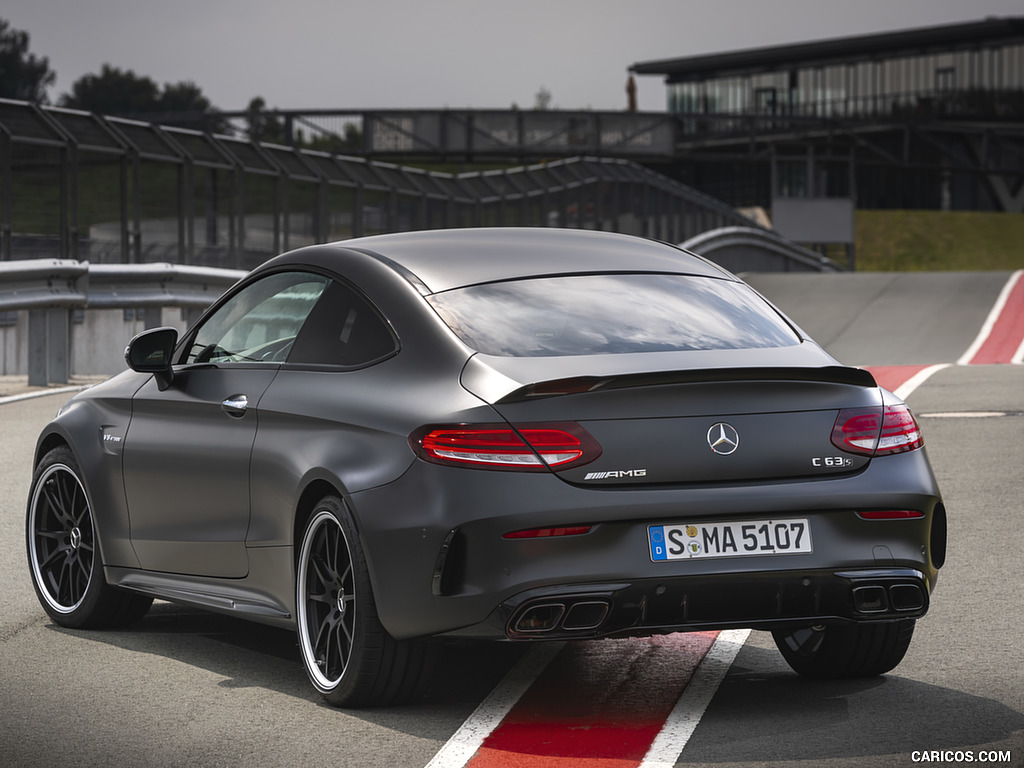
<point>691,541</point>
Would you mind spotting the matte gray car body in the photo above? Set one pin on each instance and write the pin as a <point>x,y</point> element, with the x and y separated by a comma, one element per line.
<point>201,485</point>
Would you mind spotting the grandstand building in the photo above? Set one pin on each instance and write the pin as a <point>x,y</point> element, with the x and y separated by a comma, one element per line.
<point>928,118</point>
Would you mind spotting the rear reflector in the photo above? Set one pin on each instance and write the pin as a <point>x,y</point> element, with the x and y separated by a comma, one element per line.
<point>891,514</point>
<point>524,448</point>
<point>540,533</point>
<point>877,431</point>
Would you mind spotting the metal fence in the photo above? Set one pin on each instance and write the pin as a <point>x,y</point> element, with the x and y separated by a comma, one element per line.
<point>76,185</point>
<point>132,216</point>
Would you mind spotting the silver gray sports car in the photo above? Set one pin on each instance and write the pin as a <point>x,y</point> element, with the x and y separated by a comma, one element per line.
<point>515,434</point>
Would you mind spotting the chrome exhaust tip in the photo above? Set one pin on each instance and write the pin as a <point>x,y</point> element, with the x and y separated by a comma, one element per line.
<point>539,618</point>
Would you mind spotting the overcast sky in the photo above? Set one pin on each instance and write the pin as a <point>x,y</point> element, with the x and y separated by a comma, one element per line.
<point>339,54</point>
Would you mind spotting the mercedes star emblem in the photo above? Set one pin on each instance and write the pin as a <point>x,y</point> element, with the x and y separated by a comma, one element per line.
<point>723,438</point>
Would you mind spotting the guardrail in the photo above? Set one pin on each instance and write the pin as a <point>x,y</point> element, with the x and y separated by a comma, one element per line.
<point>118,286</point>
<point>42,284</point>
<point>50,289</point>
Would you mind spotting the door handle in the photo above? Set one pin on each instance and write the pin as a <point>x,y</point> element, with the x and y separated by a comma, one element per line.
<point>235,405</point>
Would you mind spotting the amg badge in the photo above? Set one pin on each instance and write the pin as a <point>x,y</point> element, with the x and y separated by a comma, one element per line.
<point>616,473</point>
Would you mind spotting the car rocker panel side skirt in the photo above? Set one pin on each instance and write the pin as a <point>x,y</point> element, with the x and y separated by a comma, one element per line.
<point>257,597</point>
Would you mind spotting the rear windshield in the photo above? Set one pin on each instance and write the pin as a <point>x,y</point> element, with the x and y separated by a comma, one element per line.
<point>611,314</point>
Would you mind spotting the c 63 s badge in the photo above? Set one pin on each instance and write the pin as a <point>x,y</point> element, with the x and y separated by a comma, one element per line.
<point>831,462</point>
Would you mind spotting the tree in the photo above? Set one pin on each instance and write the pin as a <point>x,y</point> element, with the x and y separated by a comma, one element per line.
<point>185,96</point>
<point>123,93</point>
<point>23,76</point>
<point>185,105</point>
<point>263,126</point>
<point>350,141</point>
<point>113,91</point>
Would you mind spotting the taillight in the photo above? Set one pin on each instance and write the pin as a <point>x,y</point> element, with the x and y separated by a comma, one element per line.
<point>523,448</point>
<point>877,431</point>
<point>900,432</point>
<point>856,431</point>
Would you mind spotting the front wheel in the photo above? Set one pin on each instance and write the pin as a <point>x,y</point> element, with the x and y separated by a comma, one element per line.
<point>847,651</point>
<point>348,654</point>
<point>63,551</point>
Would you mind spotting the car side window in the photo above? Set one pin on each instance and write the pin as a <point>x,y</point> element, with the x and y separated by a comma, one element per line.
<point>260,323</point>
<point>343,329</point>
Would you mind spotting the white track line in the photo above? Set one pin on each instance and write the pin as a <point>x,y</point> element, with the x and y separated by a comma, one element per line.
<point>461,747</point>
<point>667,745</point>
<point>990,321</point>
<point>688,711</point>
<point>904,390</point>
<point>42,393</point>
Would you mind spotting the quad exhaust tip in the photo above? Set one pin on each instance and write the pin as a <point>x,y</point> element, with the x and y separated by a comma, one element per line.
<point>578,616</point>
<point>880,598</point>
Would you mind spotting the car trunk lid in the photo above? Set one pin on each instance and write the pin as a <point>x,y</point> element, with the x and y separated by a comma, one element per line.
<point>675,424</point>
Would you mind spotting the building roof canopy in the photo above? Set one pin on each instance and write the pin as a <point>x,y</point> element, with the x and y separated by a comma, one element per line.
<point>923,40</point>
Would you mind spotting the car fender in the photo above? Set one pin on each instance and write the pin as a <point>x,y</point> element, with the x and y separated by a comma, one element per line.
<point>94,427</point>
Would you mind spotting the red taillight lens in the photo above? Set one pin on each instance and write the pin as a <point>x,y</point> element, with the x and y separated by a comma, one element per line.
<point>525,448</point>
<point>900,432</point>
<point>856,430</point>
<point>501,447</point>
<point>877,431</point>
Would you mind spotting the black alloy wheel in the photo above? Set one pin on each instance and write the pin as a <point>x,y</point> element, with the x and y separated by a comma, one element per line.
<point>63,551</point>
<point>327,607</point>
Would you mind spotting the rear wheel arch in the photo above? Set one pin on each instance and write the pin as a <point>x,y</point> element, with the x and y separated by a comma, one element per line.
<point>306,506</point>
<point>314,492</point>
<point>349,656</point>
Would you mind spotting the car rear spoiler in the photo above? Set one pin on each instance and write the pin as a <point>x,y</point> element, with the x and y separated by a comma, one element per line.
<point>834,374</point>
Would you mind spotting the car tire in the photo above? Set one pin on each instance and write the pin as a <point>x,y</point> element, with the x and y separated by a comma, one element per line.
<point>64,555</point>
<point>836,652</point>
<point>348,654</point>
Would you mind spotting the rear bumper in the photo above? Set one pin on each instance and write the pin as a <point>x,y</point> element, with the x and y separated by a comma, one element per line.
<point>440,565</point>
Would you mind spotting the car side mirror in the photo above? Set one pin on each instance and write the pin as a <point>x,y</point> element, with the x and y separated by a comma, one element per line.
<point>151,352</point>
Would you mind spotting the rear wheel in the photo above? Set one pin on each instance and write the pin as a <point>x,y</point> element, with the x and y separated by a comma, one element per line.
<point>63,551</point>
<point>857,650</point>
<point>349,656</point>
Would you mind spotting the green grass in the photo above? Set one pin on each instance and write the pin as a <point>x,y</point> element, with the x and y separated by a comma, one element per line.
<point>916,241</point>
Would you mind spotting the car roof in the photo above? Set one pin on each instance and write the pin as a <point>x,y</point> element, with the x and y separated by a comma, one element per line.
<point>440,260</point>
